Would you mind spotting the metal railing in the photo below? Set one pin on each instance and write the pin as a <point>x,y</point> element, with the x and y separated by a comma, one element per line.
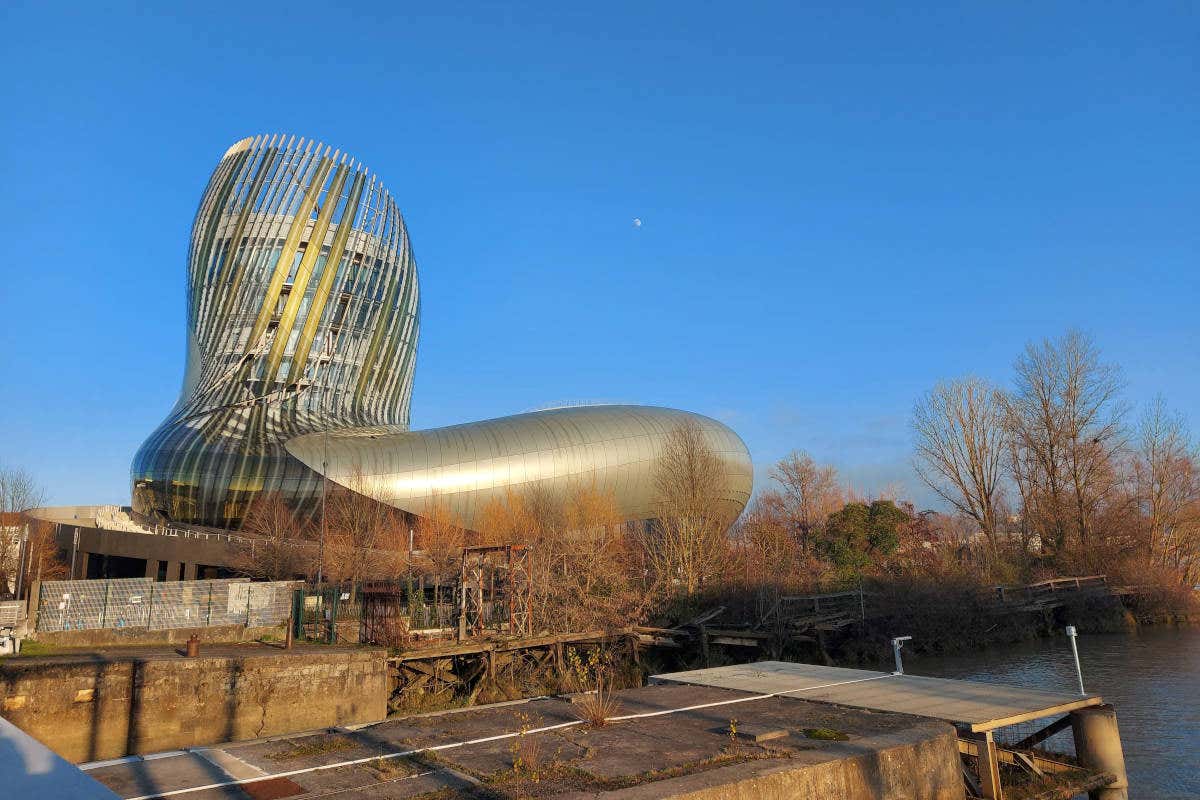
<point>186,533</point>
<point>849,604</point>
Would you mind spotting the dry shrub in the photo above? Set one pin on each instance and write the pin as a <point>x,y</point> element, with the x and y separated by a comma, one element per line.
<point>392,633</point>
<point>528,752</point>
<point>528,757</point>
<point>581,565</point>
<point>592,675</point>
<point>597,707</point>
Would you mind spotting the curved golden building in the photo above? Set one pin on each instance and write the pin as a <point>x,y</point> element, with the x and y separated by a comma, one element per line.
<point>302,324</point>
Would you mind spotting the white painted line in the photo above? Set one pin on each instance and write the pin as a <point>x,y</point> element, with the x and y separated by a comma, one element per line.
<point>130,759</point>
<point>112,762</point>
<point>484,739</point>
<point>355,761</point>
<point>227,762</point>
<point>740,699</point>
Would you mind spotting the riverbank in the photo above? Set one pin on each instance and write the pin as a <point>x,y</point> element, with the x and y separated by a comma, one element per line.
<point>949,620</point>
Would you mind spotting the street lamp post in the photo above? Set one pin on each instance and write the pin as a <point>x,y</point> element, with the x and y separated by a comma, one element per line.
<point>324,470</point>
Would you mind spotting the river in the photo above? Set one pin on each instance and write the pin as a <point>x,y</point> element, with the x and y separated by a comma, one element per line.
<point>1151,677</point>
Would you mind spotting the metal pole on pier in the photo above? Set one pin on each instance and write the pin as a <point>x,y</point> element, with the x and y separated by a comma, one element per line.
<point>897,643</point>
<point>1075,652</point>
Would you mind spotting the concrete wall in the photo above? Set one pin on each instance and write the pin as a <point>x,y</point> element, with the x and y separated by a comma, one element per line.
<point>920,763</point>
<point>109,637</point>
<point>89,710</point>
<point>172,549</point>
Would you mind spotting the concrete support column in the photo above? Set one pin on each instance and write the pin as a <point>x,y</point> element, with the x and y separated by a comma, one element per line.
<point>1098,746</point>
<point>81,565</point>
<point>152,568</point>
<point>189,570</point>
<point>173,569</point>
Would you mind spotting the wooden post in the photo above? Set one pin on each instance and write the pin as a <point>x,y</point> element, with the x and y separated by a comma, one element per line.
<point>462,598</point>
<point>989,765</point>
<point>33,605</point>
<point>291,622</point>
<point>104,609</point>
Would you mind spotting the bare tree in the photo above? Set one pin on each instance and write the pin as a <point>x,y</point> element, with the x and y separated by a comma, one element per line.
<point>365,537</point>
<point>441,537</point>
<point>686,544</point>
<point>1167,485</point>
<point>43,561</point>
<point>19,492</point>
<point>582,562</point>
<point>279,548</point>
<point>1065,416</point>
<point>809,493</point>
<point>591,566</point>
<point>960,447</point>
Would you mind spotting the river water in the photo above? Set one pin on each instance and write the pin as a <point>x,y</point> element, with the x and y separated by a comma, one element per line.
<point>1151,677</point>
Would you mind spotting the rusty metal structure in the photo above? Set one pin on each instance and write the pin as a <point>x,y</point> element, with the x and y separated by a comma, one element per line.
<point>495,591</point>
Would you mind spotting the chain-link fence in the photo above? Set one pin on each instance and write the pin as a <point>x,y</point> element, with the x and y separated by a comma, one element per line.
<point>143,603</point>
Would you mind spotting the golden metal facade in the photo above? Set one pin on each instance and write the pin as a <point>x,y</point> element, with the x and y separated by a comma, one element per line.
<point>302,328</point>
<point>299,265</point>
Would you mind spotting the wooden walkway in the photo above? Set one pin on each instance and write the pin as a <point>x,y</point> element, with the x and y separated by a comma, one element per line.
<point>976,707</point>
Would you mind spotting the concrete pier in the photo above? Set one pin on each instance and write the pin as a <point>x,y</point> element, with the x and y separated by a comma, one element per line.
<point>1098,746</point>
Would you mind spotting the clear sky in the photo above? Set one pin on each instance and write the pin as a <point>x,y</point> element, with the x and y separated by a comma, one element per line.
<point>841,203</point>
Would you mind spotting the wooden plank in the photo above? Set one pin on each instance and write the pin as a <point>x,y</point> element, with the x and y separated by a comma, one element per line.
<point>796,598</point>
<point>662,631</point>
<point>977,707</point>
<point>1051,711</point>
<point>734,641</point>
<point>742,634</point>
<point>443,652</point>
<point>1045,733</point>
<point>657,641</point>
<point>1011,757</point>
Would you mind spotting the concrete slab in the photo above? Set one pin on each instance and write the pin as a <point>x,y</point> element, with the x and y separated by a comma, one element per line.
<point>670,733</point>
<point>976,706</point>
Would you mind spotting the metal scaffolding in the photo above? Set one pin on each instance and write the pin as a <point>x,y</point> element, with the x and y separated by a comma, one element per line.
<point>495,591</point>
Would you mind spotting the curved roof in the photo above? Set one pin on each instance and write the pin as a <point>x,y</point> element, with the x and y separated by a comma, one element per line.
<point>611,448</point>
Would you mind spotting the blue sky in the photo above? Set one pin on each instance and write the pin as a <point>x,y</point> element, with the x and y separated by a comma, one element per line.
<point>841,203</point>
